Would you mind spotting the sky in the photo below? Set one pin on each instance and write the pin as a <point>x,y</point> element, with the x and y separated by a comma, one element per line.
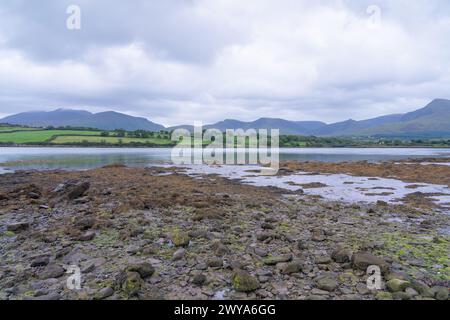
<point>180,61</point>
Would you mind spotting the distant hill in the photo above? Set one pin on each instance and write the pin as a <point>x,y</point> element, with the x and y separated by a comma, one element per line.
<point>77,118</point>
<point>432,121</point>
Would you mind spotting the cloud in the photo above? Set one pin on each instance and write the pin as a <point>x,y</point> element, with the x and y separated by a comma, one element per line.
<point>180,61</point>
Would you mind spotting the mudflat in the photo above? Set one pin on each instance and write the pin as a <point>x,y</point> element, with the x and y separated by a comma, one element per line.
<point>157,233</point>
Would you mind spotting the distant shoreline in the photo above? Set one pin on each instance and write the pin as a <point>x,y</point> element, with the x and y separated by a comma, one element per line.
<point>171,146</point>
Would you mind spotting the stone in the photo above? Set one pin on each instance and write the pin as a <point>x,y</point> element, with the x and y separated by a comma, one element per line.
<point>383,295</point>
<point>397,285</point>
<point>362,288</point>
<point>341,255</point>
<point>199,279</point>
<point>292,267</point>
<point>144,269</point>
<point>77,190</point>
<point>244,282</point>
<point>273,260</point>
<point>104,293</point>
<point>318,235</point>
<point>40,261</point>
<point>412,292</point>
<point>87,236</point>
<point>322,259</point>
<point>17,227</point>
<point>440,293</point>
<point>84,223</point>
<point>180,239</point>
<point>215,263</point>
<point>401,296</point>
<point>362,260</point>
<point>424,290</point>
<point>261,252</point>
<point>132,284</point>
<point>47,297</point>
<point>52,271</point>
<point>262,236</point>
<point>327,283</point>
<point>179,254</point>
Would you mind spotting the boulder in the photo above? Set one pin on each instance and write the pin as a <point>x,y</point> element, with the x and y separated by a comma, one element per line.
<point>327,283</point>
<point>397,285</point>
<point>244,282</point>
<point>144,269</point>
<point>17,227</point>
<point>180,239</point>
<point>273,260</point>
<point>362,260</point>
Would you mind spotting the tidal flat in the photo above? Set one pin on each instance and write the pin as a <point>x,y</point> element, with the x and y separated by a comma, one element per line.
<point>220,233</point>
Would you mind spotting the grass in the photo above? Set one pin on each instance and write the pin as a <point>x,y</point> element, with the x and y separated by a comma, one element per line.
<point>107,140</point>
<point>39,136</point>
<point>13,128</point>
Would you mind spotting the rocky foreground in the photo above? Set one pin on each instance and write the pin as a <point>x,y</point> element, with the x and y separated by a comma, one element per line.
<point>159,234</point>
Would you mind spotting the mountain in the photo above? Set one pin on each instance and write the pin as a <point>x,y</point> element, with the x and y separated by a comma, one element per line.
<point>429,122</point>
<point>77,118</point>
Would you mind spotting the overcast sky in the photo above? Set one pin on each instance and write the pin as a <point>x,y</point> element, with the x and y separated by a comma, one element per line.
<point>176,61</point>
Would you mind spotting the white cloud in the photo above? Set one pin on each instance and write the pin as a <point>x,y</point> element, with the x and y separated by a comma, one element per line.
<point>210,60</point>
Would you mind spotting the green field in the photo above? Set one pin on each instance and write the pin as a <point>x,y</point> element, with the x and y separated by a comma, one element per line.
<point>107,140</point>
<point>12,128</point>
<point>39,136</point>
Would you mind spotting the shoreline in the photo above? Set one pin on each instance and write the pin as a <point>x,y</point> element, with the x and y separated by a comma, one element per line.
<point>168,235</point>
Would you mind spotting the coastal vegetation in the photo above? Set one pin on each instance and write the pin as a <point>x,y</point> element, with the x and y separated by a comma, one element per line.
<point>89,137</point>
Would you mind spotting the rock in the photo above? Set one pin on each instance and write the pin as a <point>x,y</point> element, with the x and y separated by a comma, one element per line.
<point>199,279</point>
<point>52,271</point>
<point>315,297</point>
<point>267,226</point>
<point>396,285</point>
<point>47,297</point>
<point>292,267</point>
<point>341,255</point>
<point>261,252</point>
<point>17,227</point>
<point>132,284</point>
<point>401,296</point>
<point>104,293</point>
<point>262,236</point>
<point>84,223</point>
<point>318,235</point>
<point>362,260</point>
<point>440,293</point>
<point>215,263</point>
<point>362,288</point>
<point>144,269</point>
<point>326,282</point>
<point>244,282</point>
<point>424,290</point>
<point>33,195</point>
<point>322,259</point>
<point>180,239</point>
<point>383,295</point>
<point>179,254</point>
<point>273,260</point>
<point>412,292</point>
<point>40,261</point>
<point>87,236</point>
<point>77,190</point>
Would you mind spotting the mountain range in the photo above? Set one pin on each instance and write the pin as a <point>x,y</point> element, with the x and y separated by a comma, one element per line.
<point>430,121</point>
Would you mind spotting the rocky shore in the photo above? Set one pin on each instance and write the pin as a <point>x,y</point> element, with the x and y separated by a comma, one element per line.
<point>157,233</point>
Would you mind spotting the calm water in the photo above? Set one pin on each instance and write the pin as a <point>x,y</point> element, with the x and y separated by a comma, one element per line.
<point>85,158</point>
